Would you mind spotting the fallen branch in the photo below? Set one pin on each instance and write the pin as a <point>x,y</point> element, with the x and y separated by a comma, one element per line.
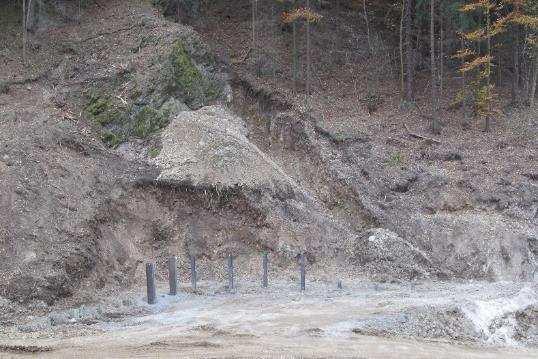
<point>109,33</point>
<point>244,57</point>
<point>416,135</point>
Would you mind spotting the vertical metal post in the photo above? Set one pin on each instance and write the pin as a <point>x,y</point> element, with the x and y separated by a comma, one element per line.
<point>230,273</point>
<point>302,266</point>
<point>193,272</point>
<point>265,263</point>
<point>150,283</point>
<point>172,276</point>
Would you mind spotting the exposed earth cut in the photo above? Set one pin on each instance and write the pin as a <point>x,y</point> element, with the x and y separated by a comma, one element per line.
<point>133,140</point>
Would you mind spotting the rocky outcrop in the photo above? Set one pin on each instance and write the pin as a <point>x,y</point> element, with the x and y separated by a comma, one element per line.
<point>386,256</point>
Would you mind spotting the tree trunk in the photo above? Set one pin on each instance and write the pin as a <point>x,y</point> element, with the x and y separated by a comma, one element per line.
<point>367,28</point>
<point>402,70</point>
<point>409,87</point>
<point>24,31</point>
<point>464,89</point>
<point>441,57</point>
<point>307,96</point>
<point>433,67</point>
<point>28,13</point>
<point>295,62</point>
<point>254,23</point>
<point>532,92</point>
<point>488,69</point>
<point>515,77</point>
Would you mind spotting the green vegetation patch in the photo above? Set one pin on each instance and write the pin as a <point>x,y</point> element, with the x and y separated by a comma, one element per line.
<point>102,110</point>
<point>188,80</point>
<point>154,152</point>
<point>111,139</point>
<point>396,159</point>
<point>148,120</point>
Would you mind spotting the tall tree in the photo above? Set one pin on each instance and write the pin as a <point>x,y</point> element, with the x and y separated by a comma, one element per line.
<point>287,18</point>
<point>308,64</point>
<point>525,15</point>
<point>402,61</point>
<point>434,92</point>
<point>24,31</point>
<point>309,17</point>
<point>409,55</point>
<point>367,22</point>
<point>481,64</point>
<point>254,20</point>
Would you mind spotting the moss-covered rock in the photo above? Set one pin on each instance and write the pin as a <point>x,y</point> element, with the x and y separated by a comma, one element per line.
<point>187,81</point>
<point>185,77</point>
<point>147,121</point>
<point>162,5</point>
<point>172,107</point>
<point>102,110</point>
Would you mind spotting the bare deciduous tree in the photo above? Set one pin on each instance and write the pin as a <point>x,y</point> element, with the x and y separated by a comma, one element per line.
<point>24,31</point>
<point>434,92</point>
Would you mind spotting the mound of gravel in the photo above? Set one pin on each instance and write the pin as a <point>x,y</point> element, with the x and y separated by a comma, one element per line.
<point>388,256</point>
<point>210,148</point>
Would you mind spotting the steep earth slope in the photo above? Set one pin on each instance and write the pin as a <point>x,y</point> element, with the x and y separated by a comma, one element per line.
<point>109,158</point>
<point>468,198</point>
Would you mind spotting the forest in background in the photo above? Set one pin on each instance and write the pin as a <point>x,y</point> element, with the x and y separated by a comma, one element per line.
<point>484,44</point>
<point>489,46</point>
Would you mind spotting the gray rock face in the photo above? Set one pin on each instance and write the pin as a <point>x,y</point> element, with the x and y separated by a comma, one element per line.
<point>173,107</point>
<point>478,243</point>
<point>47,13</point>
<point>388,256</point>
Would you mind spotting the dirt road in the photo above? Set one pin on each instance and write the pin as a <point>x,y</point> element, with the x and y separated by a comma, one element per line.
<point>425,320</point>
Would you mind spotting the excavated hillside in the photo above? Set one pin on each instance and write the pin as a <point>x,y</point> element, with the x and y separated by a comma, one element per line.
<point>128,138</point>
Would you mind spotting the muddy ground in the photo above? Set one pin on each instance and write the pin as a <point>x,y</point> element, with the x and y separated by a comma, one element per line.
<point>362,320</point>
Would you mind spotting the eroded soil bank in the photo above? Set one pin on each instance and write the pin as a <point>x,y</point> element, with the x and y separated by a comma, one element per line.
<point>137,138</point>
